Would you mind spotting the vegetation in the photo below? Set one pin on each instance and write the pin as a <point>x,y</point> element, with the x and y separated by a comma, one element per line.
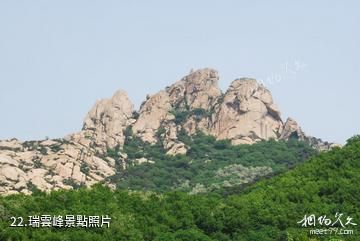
<point>266,211</point>
<point>182,115</point>
<point>56,147</point>
<point>84,168</point>
<point>209,164</point>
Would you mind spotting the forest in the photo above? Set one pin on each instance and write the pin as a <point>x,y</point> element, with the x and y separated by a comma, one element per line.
<point>270,209</point>
<point>210,165</point>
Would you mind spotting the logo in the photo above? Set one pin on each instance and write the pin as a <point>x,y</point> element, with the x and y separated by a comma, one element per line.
<point>324,225</point>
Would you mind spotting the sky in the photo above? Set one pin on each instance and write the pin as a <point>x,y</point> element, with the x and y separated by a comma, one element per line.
<point>58,57</point>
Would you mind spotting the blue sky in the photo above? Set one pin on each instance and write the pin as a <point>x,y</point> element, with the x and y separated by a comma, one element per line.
<point>58,57</point>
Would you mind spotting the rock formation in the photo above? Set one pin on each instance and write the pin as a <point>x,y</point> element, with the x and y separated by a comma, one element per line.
<point>152,113</point>
<point>106,121</point>
<point>50,164</point>
<point>247,114</point>
<point>244,114</point>
<point>199,89</point>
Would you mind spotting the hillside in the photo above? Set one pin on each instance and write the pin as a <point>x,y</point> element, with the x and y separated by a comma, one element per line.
<point>269,210</point>
<point>209,165</point>
<point>244,114</point>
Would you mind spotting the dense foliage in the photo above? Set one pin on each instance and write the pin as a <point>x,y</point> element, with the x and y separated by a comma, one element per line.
<point>209,165</point>
<point>268,210</point>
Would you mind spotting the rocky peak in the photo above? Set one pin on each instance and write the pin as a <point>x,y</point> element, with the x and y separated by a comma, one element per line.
<point>247,87</point>
<point>152,113</point>
<point>199,89</point>
<point>107,120</point>
<point>292,130</point>
<point>247,114</point>
<point>244,87</point>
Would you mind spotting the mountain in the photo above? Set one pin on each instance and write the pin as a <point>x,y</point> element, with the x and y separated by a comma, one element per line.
<point>325,186</point>
<point>244,114</point>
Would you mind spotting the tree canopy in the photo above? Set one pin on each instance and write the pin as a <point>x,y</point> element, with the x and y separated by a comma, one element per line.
<point>270,209</point>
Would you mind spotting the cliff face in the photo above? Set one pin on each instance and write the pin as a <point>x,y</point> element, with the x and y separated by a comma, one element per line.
<point>245,114</point>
